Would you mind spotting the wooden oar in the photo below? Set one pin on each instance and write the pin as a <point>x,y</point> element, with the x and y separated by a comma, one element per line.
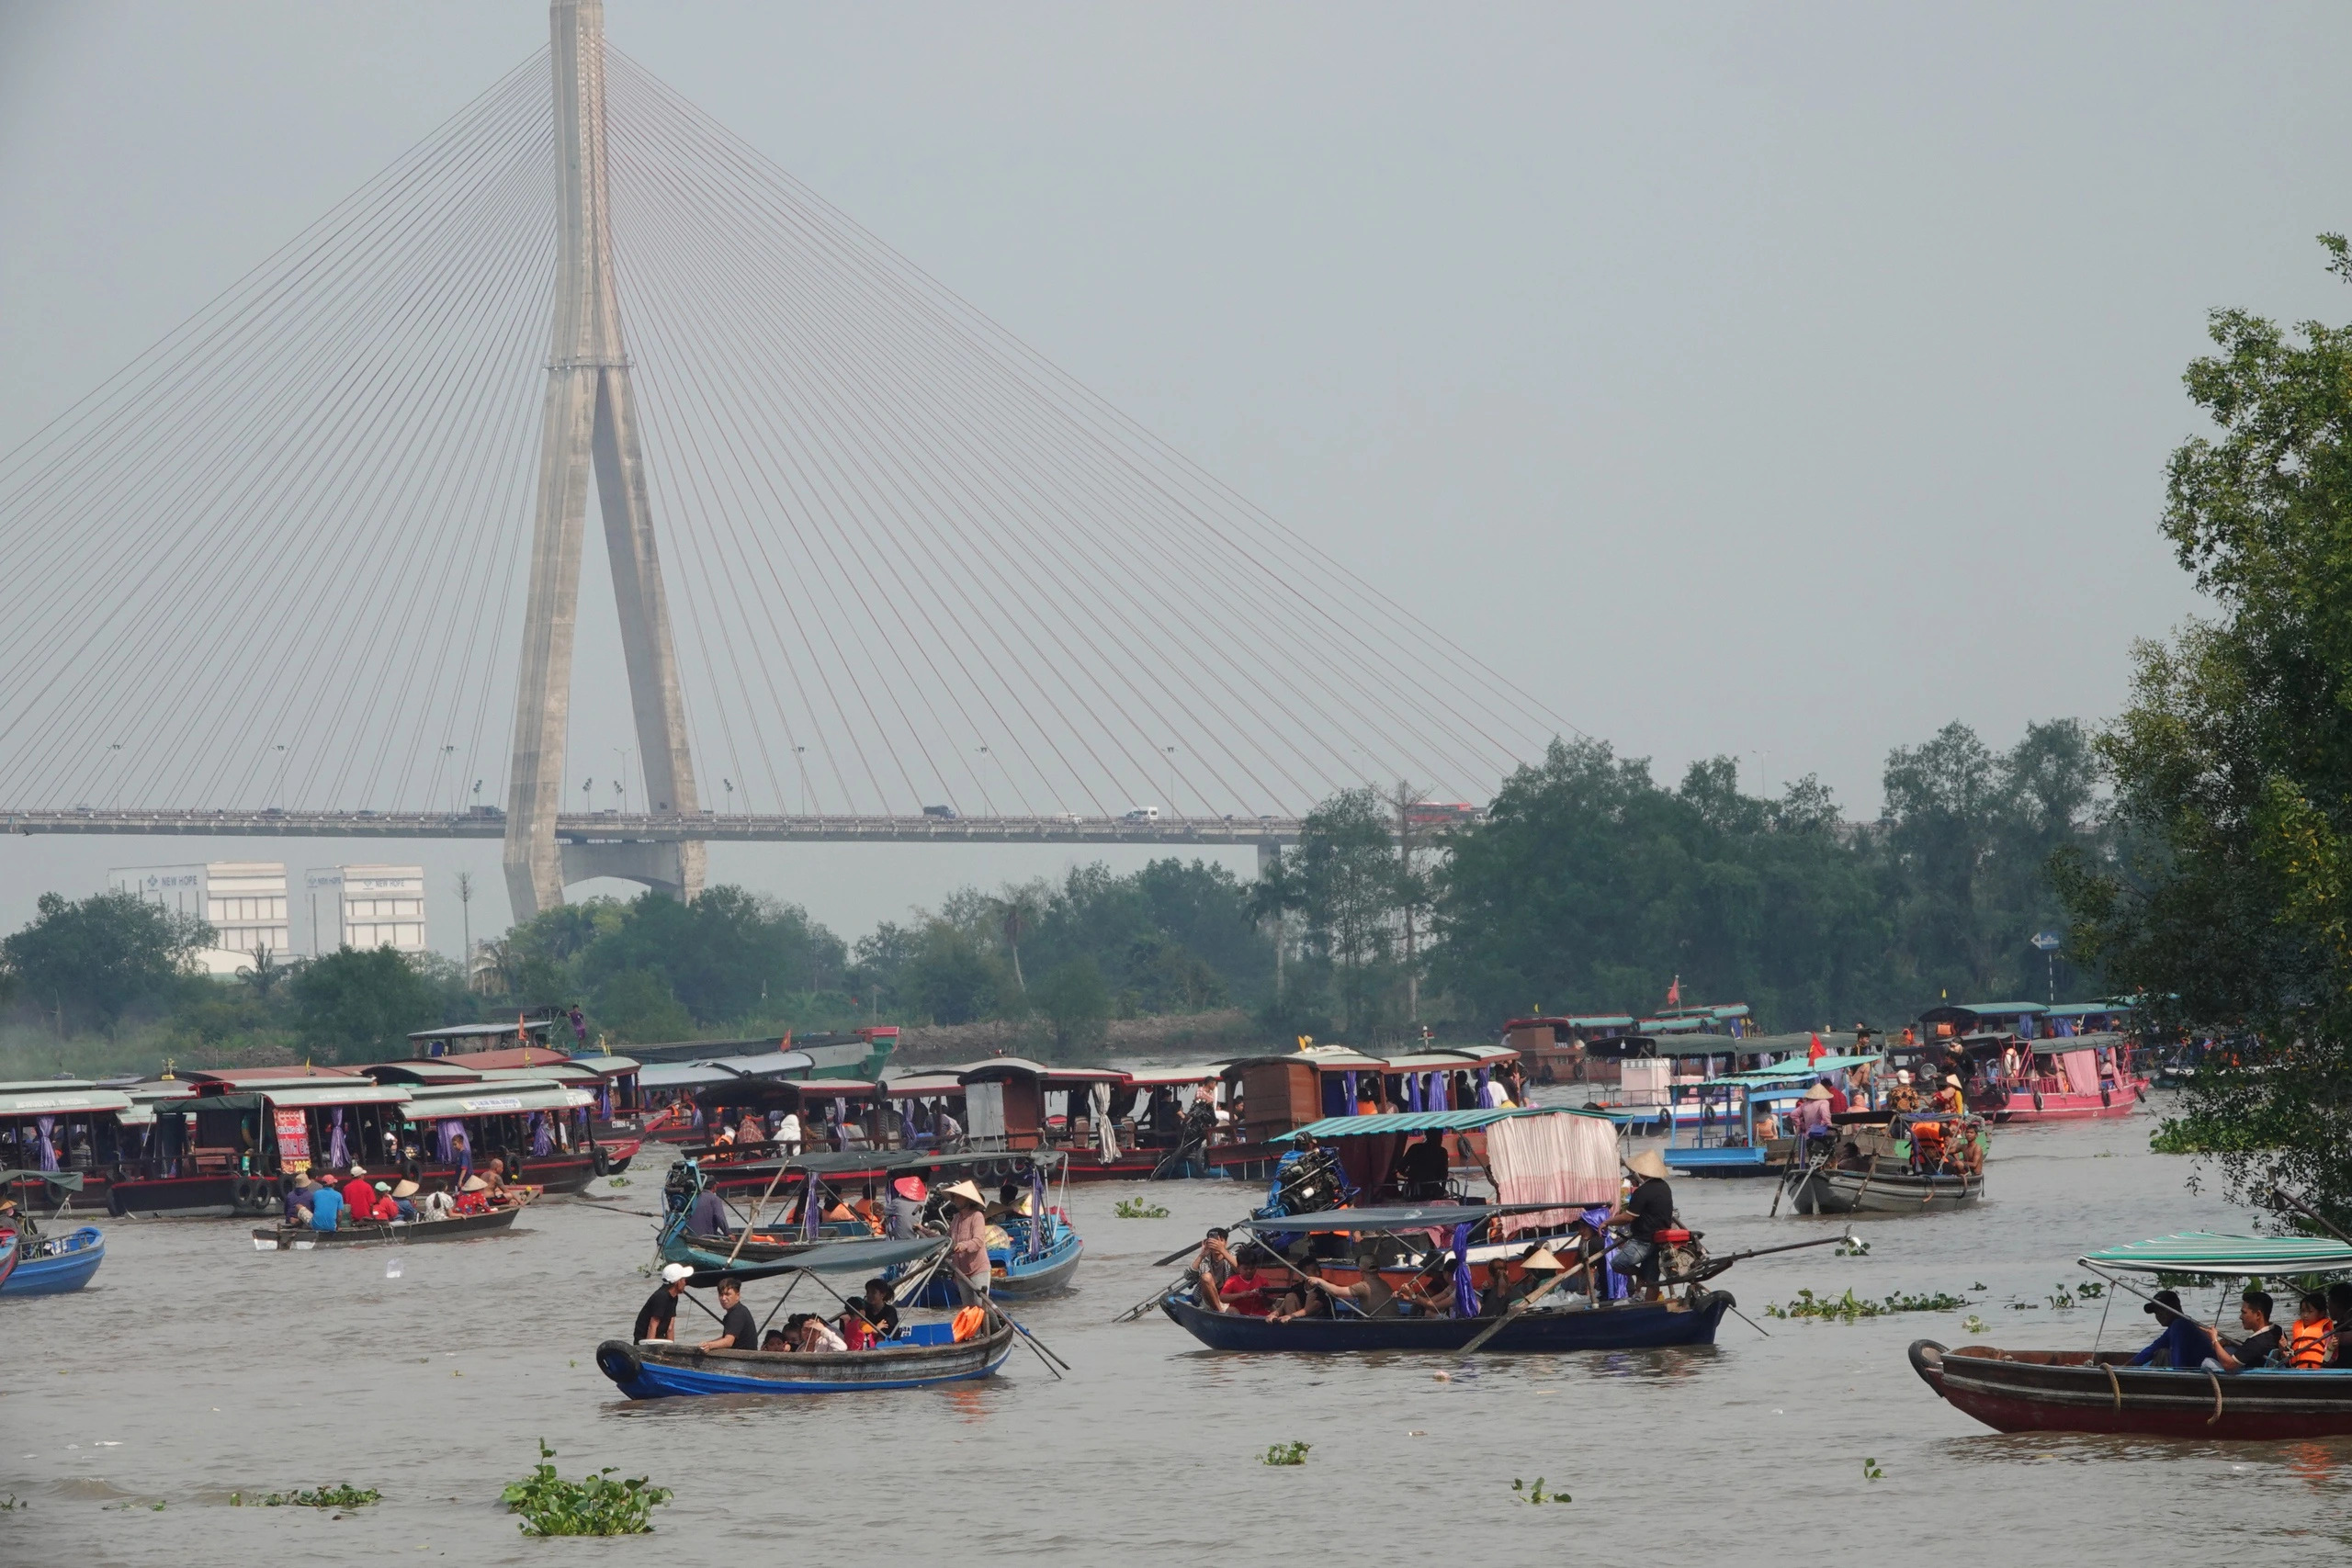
<point>1512,1311</point>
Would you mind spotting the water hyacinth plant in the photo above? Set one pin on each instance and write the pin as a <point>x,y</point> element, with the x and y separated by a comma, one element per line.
<point>594,1505</point>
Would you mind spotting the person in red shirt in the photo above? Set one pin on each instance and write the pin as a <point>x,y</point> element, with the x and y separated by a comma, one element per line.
<point>1838,1103</point>
<point>386,1210</point>
<point>358,1196</point>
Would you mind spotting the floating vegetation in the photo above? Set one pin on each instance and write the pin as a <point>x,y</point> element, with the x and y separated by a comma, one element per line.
<point>617,1181</point>
<point>1285,1453</point>
<point>343,1496</point>
<point>11,1503</point>
<point>594,1505</point>
<point>2090,1289</point>
<point>1852,1246</point>
<point>1974,1323</point>
<point>1851,1308</point>
<point>1137,1209</point>
<point>1536,1494</point>
<point>1870,1472</point>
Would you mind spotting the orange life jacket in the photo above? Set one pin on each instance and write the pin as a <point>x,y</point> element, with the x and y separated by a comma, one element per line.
<point>2307,1343</point>
<point>968,1323</point>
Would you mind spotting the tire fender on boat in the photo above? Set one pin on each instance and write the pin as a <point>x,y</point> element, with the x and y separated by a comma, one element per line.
<point>241,1195</point>
<point>600,1159</point>
<point>2037,1100</point>
<point>1927,1360</point>
<point>618,1359</point>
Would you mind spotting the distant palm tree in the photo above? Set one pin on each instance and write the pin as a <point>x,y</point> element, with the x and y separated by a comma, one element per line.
<point>1017,914</point>
<point>263,973</point>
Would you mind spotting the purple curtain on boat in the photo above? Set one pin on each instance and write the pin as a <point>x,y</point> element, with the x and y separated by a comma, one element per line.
<point>47,1124</point>
<point>1445,1092</point>
<point>1466,1297</point>
<point>1037,1212</point>
<point>1613,1282</point>
<point>907,1121</point>
<point>542,1140</point>
<point>812,1209</point>
<point>1412,1085</point>
<point>338,1152</point>
<point>1349,1081</point>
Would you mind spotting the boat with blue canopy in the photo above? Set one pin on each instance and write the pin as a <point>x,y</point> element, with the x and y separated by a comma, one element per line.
<point>916,1356</point>
<point>2102,1391</point>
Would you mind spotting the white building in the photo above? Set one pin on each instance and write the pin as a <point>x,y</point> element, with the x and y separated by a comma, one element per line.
<point>242,900</point>
<point>366,905</point>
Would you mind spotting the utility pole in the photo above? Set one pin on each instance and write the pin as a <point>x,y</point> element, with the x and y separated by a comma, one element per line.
<point>466,906</point>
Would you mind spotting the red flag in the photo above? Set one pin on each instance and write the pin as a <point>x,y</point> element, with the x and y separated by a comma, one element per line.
<point>1674,993</point>
<point>1816,1053</point>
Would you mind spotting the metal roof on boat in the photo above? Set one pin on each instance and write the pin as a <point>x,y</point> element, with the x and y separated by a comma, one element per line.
<point>856,1255</point>
<point>1782,1072</point>
<point>1423,1217</point>
<point>500,1097</point>
<point>1425,1121</point>
<point>294,1096</point>
<point>2205,1252</point>
<point>53,1101</point>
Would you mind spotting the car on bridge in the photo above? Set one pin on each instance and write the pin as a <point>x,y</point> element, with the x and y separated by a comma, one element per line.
<point>944,813</point>
<point>1141,814</point>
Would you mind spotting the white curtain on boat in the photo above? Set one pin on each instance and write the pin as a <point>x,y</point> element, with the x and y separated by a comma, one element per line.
<point>1106,1136</point>
<point>1538,1159</point>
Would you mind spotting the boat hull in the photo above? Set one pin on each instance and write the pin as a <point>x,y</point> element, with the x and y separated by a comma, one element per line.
<point>376,1232</point>
<point>660,1371</point>
<point>56,1265</point>
<point>2026,1105</point>
<point>1852,1192</point>
<point>1629,1325</point>
<point>2056,1391</point>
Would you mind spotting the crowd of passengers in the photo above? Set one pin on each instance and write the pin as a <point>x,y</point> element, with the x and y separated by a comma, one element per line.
<point>2310,1343</point>
<point>327,1202</point>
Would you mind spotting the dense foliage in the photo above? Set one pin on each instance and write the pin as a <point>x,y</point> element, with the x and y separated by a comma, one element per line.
<point>1591,887</point>
<point>2234,765</point>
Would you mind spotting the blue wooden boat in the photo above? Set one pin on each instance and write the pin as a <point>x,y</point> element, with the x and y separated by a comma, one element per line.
<point>55,1264</point>
<point>917,1357</point>
<point>7,1255</point>
<point>1614,1326</point>
<point>1014,1272</point>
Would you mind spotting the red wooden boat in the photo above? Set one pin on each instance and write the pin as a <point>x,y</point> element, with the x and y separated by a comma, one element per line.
<point>2101,1391</point>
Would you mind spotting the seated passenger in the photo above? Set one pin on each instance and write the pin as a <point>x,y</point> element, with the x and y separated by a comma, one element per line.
<point>2263,1336</point>
<point>871,1318</point>
<point>778,1340</point>
<point>473,1196</point>
<point>403,1201</point>
<point>750,1132</point>
<point>1212,1267</point>
<point>816,1334</point>
<point>2307,1341</point>
<point>1304,1300</point>
<point>2339,1312</point>
<point>2184,1344</point>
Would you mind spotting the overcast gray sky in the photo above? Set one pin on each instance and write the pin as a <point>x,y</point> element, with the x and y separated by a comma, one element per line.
<point>1785,382</point>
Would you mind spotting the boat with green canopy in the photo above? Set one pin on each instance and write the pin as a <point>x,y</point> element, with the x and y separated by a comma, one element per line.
<point>2103,1391</point>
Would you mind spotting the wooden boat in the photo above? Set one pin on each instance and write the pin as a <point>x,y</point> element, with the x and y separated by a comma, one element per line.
<point>920,1355</point>
<point>379,1232</point>
<point>54,1265</point>
<point>1616,1326</point>
<point>2099,1390</point>
<point>2081,1391</point>
<point>7,1255</point>
<point>1880,1192</point>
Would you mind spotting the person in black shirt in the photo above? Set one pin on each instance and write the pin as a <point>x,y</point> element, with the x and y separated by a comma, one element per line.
<point>877,1308</point>
<point>737,1331</point>
<point>1424,1166</point>
<point>1646,1210</point>
<point>2262,1334</point>
<point>658,1318</point>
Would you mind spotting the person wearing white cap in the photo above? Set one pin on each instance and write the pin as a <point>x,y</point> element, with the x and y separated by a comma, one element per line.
<point>658,1318</point>
<point>1902,1096</point>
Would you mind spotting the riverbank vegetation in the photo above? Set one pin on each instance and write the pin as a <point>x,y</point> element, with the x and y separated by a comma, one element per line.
<point>1587,887</point>
<point>2233,767</point>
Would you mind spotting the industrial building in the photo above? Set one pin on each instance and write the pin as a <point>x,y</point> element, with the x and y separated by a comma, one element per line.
<point>366,906</point>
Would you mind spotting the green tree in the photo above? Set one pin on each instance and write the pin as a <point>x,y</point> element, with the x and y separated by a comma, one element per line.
<point>952,979</point>
<point>727,955</point>
<point>2232,908</point>
<point>83,964</point>
<point>1347,874</point>
<point>640,1008</point>
<point>361,1004</point>
<point>1076,1003</point>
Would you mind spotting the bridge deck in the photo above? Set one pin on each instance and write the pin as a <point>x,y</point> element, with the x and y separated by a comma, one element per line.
<point>638,827</point>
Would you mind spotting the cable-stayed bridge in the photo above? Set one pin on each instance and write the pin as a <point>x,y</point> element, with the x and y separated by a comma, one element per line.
<point>310,564</point>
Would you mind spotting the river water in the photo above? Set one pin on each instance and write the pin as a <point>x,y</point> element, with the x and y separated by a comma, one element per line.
<point>194,1367</point>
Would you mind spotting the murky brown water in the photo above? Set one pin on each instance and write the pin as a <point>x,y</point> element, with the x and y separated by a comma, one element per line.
<point>196,1367</point>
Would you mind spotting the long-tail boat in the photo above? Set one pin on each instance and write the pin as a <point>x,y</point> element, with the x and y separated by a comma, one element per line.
<point>2101,1390</point>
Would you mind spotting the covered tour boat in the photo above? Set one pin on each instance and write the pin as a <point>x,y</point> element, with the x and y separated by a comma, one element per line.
<point>2027,1062</point>
<point>917,1356</point>
<point>2101,1391</point>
